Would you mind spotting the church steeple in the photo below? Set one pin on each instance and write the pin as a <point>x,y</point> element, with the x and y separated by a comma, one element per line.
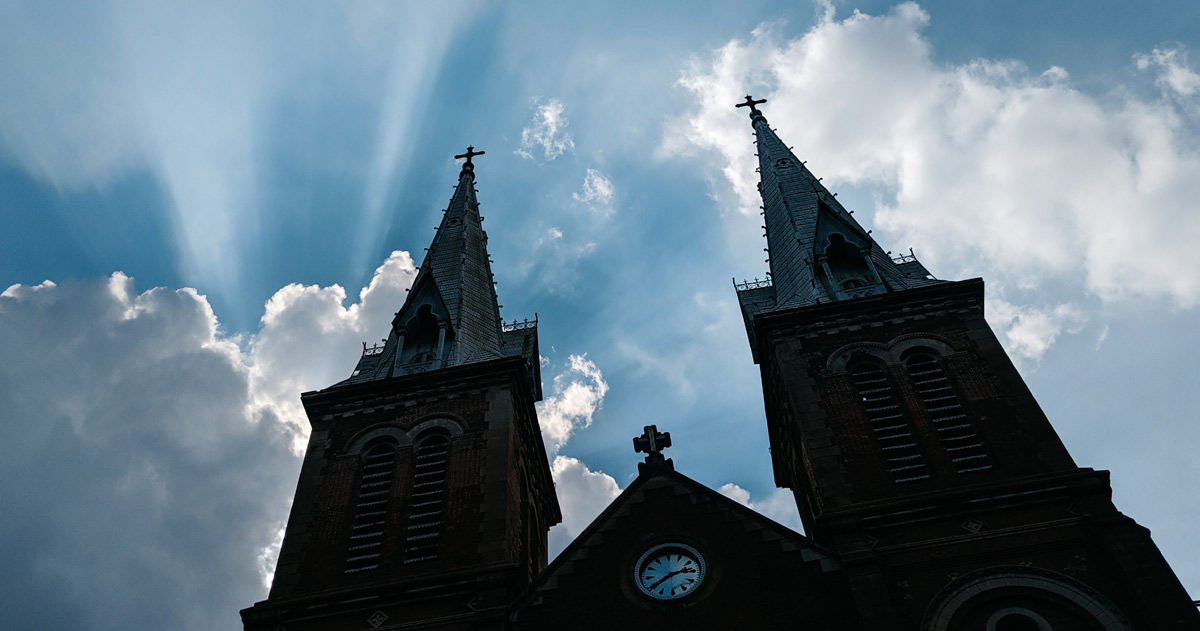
<point>426,495</point>
<point>451,316</point>
<point>818,252</point>
<point>914,449</point>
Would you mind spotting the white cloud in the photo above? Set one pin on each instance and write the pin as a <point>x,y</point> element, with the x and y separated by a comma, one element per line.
<point>982,162</point>
<point>780,505</point>
<point>143,426</point>
<point>129,417</point>
<point>1029,332</point>
<point>552,235</point>
<point>582,494</point>
<point>578,392</point>
<point>547,131</point>
<point>308,339</point>
<point>597,193</point>
<point>1173,71</point>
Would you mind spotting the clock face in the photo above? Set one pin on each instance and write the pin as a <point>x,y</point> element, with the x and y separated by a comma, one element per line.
<point>669,571</point>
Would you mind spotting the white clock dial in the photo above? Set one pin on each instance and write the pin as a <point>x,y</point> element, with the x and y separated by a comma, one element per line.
<point>669,571</point>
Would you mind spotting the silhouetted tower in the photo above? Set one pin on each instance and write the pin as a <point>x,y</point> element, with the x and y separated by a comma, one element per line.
<point>914,448</point>
<point>425,494</point>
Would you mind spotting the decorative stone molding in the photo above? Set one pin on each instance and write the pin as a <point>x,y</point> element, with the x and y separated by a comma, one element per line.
<point>403,438</point>
<point>891,353</point>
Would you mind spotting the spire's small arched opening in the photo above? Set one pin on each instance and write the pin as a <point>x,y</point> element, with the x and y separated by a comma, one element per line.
<point>421,335</point>
<point>426,337</point>
<point>432,449</point>
<point>847,269</point>
<point>958,437</point>
<point>378,468</point>
<point>846,261</point>
<point>902,456</point>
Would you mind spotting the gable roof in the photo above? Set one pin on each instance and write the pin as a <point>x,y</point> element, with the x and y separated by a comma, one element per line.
<point>613,529</point>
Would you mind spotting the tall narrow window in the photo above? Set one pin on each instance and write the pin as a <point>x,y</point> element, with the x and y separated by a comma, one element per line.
<point>900,451</point>
<point>429,484</point>
<point>959,439</point>
<point>370,516</point>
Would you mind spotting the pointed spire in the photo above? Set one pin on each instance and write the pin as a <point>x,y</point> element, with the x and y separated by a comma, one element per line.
<point>818,252</point>
<point>451,316</point>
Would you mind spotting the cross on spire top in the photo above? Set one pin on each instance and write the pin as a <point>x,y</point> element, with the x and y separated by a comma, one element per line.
<point>651,443</point>
<point>470,154</point>
<point>468,166</point>
<point>751,103</point>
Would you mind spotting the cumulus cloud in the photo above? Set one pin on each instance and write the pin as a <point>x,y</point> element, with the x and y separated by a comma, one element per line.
<point>308,339</point>
<point>129,420</point>
<point>578,392</point>
<point>582,494</point>
<point>1028,332</point>
<point>597,192</point>
<point>136,425</point>
<point>780,505</point>
<point>547,131</point>
<point>984,162</point>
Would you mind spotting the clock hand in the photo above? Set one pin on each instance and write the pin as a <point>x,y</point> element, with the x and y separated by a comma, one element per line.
<point>661,580</point>
<point>688,569</point>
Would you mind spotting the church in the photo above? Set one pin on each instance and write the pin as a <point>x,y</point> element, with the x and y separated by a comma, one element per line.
<point>935,494</point>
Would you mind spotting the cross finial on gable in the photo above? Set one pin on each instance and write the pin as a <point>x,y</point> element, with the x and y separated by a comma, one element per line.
<point>651,443</point>
<point>751,103</point>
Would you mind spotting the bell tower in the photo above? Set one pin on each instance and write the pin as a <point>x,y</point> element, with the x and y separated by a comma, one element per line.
<point>913,447</point>
<point>425,494</point>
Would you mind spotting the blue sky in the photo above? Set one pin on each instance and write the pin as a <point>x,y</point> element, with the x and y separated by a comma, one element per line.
<point>204,209</point>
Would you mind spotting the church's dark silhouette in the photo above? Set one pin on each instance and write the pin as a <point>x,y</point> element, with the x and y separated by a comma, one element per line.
<point>934,493</point>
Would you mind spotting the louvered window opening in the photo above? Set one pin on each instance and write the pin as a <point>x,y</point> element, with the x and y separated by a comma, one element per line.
<point>958,437</point>
<point>425,512</point>
<point>900,451</point>
<point>370,515</point>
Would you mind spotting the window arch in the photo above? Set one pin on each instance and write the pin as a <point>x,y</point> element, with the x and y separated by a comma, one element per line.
<point>1017,619</point>
<point>982,595</point>
<point>964,447</point>
<point>901,453</point>
<point>370,514</point>
<point>429,483</point>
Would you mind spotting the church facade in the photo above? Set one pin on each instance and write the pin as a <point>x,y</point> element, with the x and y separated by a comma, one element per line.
<point>935,494</point>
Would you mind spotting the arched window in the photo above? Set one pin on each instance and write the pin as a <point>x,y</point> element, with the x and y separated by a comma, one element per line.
<point>959,439</point>
<point>370,515</point>
<point>901,454</point>
<point>429,484</point>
